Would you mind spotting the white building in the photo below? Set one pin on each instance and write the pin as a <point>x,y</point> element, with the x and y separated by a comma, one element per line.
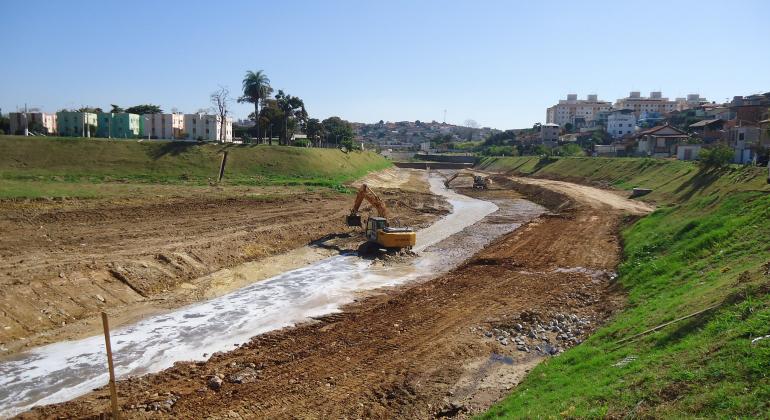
<point>638,103</point>
<point>207,127</point>
<point>577,112</point>
<point>33,121</point>
<point>164,126</point>
<point>549,132</point>
<point>621,123</point>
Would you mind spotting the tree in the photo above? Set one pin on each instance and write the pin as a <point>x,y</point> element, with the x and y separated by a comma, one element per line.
<point>293,109</point>
<point>715,157</point>
<point>220,98</point>
<point>338,131</point>
<point>90,109</point>
<point>315,130</point>
<point>116,109</point>
<point>501,138</point>
<point>568,127</point>
<point>144,109</point>
<point>5,124</point>
<point>256,88</point>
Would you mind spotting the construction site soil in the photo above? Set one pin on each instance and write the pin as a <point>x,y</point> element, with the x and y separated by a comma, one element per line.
<point>63,262</point>
<point>446,347</point>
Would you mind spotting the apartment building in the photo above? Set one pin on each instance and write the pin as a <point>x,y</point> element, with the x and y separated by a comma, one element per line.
<point>621,122</point>
<point>578,112</point>
<point>639,104</point>
<point>76,124</point>
<point>549,132</point>
<point>35,122</point>
<point>207,127</point>
<point>119,125</point>
<point>164,126</point>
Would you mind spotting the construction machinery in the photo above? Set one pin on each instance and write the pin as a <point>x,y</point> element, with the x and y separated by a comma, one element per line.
<point>379,233</point>
<point>479,182</point>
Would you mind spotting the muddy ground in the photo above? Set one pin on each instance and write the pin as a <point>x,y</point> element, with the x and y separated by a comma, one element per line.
<point>62,262</point>
<point>446,347</point>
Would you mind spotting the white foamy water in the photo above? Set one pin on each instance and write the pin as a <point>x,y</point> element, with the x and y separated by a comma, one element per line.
<point>65,370</point>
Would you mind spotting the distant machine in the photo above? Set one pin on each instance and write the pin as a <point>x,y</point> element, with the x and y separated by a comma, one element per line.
<point>480,182</point>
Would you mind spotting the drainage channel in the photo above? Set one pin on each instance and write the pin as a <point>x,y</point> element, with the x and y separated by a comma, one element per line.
<point>65,370</point>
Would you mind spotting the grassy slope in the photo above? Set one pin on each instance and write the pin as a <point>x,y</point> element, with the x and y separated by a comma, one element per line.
<point>709,243</point>
<point>74,167</point>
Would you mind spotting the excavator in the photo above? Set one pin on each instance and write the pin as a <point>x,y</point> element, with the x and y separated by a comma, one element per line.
<point>379,233</point>
<point>479,182</point>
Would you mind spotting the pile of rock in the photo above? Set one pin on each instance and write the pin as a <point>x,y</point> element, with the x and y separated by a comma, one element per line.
<point>549,337</point>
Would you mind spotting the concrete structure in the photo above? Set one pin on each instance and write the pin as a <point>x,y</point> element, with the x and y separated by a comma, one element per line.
<point>207,127</point>
<point>119,125</point>
<point>660,141</point>
<point>549,132</point>
<point>708,130</point>
<point>578,112</point>
<point>76,124</point>
<point>688,151</point>
<point>638,104</point>
<point>34,121</point>
<point>692,100</point>
<point>621,123</point>
<point>164,126</point>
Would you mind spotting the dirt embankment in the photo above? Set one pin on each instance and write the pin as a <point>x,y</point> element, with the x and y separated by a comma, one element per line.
<point>63,262</point>
<point>450,346</point>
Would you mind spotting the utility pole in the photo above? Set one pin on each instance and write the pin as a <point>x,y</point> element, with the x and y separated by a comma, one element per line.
<point>445,116</point>
<point>26,121</point>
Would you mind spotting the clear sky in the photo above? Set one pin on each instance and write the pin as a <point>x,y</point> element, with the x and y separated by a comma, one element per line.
<point>500,63</point>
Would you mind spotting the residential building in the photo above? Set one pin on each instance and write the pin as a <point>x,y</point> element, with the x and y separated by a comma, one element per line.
<point>119,125</point>
<point>660,141</point>
<point>654,103</point>
<point>76,124</point>
<point>621,122</point>
<point>164,126</point>
<point>764,133</point>
<point>207,127</point>
<point>688,151</point>
<point>549,133</point>
<point>692,100</point>
<point>650,119</point>
<point>751,108</point>
<point>611,150</point>
<point>578,112</point>
<point>34,121</point>
<point>709,130</point>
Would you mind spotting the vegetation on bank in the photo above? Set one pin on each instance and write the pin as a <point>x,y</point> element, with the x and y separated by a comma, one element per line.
<point>707,246</point>
<point>35,166</point>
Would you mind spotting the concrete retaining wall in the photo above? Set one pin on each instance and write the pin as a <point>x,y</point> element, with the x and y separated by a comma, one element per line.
<point>432,165</point>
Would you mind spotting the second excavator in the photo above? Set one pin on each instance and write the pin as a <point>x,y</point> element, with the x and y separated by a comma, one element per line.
<point>379,233</point>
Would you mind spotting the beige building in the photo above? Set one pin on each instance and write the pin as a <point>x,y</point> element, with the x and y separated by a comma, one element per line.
<point>35,122</point>
<point>577,112</point>
<point>207,127</point>
<point>164,126</point>
<point>640,104</point>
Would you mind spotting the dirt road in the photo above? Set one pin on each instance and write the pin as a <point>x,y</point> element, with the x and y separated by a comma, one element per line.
<point>449,346</point>
<point>63,262</point>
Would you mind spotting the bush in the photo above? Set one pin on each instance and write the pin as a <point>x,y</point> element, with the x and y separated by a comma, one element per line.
<point>301,143</point>
<point>715,157</point>
<point>500,151</point>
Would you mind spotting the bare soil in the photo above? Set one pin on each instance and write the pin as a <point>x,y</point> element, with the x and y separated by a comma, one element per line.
<point>423,350</point>
<point>62,262</point>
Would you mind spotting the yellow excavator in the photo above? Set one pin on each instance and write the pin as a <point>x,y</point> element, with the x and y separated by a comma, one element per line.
<point>479,182</point>
<point>379,233</point>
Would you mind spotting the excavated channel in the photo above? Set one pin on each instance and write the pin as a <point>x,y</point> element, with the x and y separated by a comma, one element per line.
<point>62,371</point>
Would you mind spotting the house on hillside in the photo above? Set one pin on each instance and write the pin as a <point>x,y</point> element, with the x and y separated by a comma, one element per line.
<point>76,124</point>
<point>119,125</point>
<point>708,130</point>
<point>660,141</point>
<point>688,151</point>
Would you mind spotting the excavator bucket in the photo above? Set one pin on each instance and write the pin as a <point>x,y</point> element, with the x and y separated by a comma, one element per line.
<point>354,220</point>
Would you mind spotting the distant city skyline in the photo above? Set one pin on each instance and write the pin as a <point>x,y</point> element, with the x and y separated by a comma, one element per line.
<point>501,64</point>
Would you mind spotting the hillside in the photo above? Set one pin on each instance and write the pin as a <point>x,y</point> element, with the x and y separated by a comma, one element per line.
<point>34,166</point>
<point>705,248</point>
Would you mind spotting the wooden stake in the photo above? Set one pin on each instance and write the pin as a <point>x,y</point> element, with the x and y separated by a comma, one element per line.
<point>222,166</point>
<point>113,389</point>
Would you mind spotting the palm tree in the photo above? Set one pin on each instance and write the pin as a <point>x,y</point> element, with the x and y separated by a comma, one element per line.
<point>256,87</point>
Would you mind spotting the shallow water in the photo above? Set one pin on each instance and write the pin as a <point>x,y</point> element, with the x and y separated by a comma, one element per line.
<point>65,370</point>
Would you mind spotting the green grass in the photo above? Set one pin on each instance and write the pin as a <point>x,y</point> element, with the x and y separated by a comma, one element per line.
<point>707,244</point>
<point>34,167</point>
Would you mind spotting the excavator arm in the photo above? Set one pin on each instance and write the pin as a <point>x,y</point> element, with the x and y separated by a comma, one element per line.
<point>366,193</point>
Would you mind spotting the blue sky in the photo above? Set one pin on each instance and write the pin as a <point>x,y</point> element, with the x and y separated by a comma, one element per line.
<point>500,63</point>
